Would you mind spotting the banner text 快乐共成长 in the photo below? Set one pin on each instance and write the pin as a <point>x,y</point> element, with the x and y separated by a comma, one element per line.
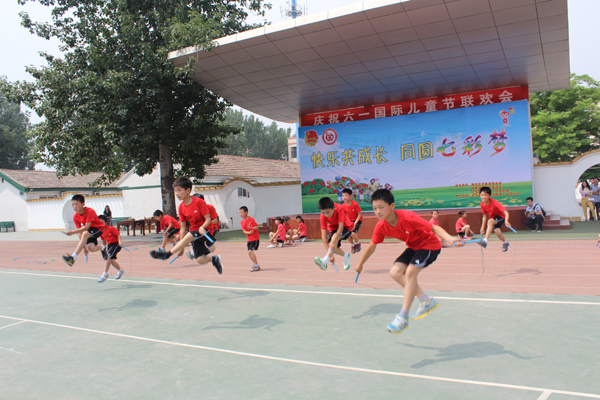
<point>427,160</point>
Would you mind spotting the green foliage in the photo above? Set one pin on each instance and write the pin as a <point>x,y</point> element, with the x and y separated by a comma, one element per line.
<point>256,139</point>
<point>14,146</point>
<point>566,122</point>
<point>114,98</point>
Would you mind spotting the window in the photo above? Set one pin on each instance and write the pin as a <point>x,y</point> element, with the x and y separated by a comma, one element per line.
<point>294,152</point>
<point>243,193</point>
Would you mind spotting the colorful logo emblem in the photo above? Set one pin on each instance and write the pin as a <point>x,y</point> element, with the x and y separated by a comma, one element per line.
<point>329,136</point>
<point>311,138</point>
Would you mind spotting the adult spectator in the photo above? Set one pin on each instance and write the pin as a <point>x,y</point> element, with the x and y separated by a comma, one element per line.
<point>595,198</point>
<point>535,216</point>
<point>586,193</point>
<point>108,214</point>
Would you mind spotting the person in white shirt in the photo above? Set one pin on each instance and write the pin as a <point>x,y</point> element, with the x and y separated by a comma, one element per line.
<point>535,216</point>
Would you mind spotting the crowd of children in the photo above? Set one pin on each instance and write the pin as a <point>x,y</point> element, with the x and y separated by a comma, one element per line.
<point>338,222</point>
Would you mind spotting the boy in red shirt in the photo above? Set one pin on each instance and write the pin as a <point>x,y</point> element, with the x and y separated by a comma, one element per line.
<point>494,216</point>
<point>111,238</point>
<point>170,227</point>
<point>335,227</point>
<point>89,229</point>
<point>277,239</point>
<point>250,228</point>
<point>423,247</point>
<point>354,214</point>
<point>462,228</point>
<point>214,217</point>
<point>194,211</point>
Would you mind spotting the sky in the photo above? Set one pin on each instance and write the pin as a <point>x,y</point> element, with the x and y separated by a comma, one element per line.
<point>19,48</point>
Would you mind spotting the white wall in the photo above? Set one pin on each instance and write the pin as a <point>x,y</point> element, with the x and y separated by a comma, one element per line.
<point>142,202</point>
<point>554,185</point>
<point>13,206</point>
<point>58,214</point>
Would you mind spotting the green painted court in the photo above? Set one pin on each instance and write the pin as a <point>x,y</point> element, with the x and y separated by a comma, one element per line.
<point>63,336</point>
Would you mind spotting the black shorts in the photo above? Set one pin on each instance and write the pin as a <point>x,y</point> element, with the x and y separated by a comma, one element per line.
<point>172,232</point>
<point>358,225</point>
<point>253,245</point>
<point>112,249</point>
<point>201,244</point>
<point>345,235</point>
<point>461,234</point>
<point>280,241</point>
<point>499,222</point>
<point>418,258</point>
<point>95,233</point>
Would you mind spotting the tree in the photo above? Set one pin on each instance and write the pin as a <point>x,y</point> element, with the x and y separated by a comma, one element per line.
<point>114,97</point>
<point>566,122</point>
<point>256,139</point>
<point>14,145</point>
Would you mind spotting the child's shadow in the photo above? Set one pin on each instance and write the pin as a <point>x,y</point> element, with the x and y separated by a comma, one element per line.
<point>380,309</point>
<point>137,303</point>
<point>245,294</point>
<point>124,287</point>
<point>466,350</point>
<point>252,322</point>
<point>532,271</point>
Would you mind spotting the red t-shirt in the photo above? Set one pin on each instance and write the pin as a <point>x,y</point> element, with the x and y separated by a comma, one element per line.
<point>434,221</point>
<point>194,213</point>
<point>352,210</point>
<point>493,209</point>
<point>166,220</point>
<point>281,232</point>
<point>89,215</point>
<point>213,215</point>
<point>247,225</point>
<point>302,230</point>
<point>411,229</point>
<point>339,215</point>
<point>111,235</point>
<point>459,224</point>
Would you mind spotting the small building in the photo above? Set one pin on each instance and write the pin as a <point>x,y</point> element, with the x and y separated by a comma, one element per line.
<point>38,200</point>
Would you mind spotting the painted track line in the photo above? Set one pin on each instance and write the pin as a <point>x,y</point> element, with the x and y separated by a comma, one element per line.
<point>316,364</point>
<point>482,299</point>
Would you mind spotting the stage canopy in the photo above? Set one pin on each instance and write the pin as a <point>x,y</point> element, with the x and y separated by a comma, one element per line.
<point>384,51</point>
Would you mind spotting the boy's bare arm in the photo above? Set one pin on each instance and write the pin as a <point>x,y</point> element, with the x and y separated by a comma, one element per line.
<point>506,215</point>
<point>442,234</point>
<point>368,253</point>
<point>168,228</point>
<point>79,230</point>
<point>483,223</point>
<point>324,237</point>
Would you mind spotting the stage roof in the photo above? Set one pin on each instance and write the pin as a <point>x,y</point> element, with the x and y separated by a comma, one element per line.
<point>384,51</point>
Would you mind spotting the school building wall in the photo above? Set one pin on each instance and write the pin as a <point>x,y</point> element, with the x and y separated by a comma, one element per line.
<point>141,194</point>
<point>13,206</point>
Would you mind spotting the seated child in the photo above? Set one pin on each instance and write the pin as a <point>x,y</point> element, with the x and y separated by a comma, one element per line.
<point>111,238</point>
<point>89,229</point>
<point>462,228</point>
<point>434,218</point>
<point>170,228</point>
<point>302,231</point>
<point>277,239</point>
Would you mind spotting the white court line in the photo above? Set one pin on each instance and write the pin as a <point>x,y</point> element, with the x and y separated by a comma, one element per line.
<point>545,395</point>
<point>316,364</point>
<point>581,303</point>
<point>16,323</point>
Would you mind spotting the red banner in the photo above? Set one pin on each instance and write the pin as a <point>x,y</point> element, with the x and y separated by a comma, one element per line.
<point>431,104</point>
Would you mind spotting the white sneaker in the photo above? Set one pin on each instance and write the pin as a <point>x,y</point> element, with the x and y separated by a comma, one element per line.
<point>190,255</point>
<point>347,261</point>
<point>271,246</point>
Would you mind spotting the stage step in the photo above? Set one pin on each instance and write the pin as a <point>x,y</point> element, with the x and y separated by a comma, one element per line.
<point>555,221</point>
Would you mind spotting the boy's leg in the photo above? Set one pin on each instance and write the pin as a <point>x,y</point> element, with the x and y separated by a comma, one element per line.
<point>398,273</point>
<point>490,228</point>
<point>412,286</point>
<point>181,245</point>
<point>164,241</point>
<point>82,242</point>
<point>500,235</point>
<point>115,264</point>
<point>107,266</point>
<point>253,257</point>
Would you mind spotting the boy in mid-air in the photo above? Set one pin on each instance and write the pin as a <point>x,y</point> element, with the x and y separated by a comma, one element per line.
<point>354,214</point>
<point>170,227</point>
<point>423,247</point>
<point>494,216</point>
<point>194,211</point>
<point>250,228</point>
<point>89,229</point>
<point>335,227</point>
<point>111,238</point>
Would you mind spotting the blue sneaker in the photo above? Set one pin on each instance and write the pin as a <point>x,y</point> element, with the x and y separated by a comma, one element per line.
<point>398,325</point>
<point>103,277</point>
<point>120,274</point>
<point>505,246</point>
<point>425,308</point>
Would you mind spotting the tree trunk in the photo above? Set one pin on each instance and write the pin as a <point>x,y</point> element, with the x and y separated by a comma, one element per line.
<point>166,180</point>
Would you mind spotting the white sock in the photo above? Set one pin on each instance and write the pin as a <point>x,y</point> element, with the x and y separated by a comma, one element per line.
<point>103,247</point>
<point>346,255</point>
<point>326,259</point>
<point>506,241</point>
<point>485,240</point>
<point>74,255</point>
<point>105,274</point>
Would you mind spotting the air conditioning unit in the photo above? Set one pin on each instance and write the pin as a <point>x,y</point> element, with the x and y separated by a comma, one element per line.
<point>96,194</point>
